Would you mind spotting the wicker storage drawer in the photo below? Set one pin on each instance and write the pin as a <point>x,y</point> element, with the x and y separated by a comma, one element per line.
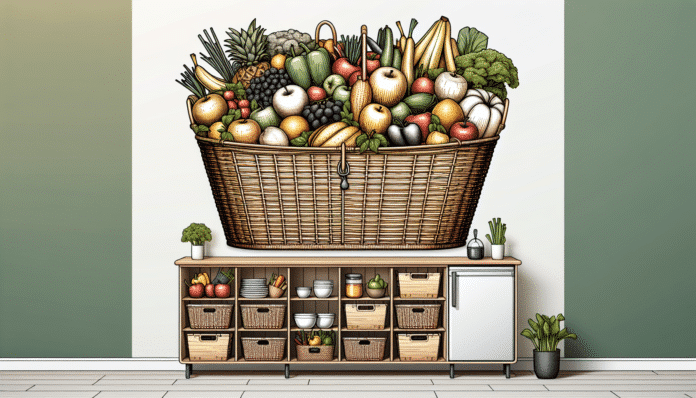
<point>419,347</point>
<point>419,284</point>
<point>417,316</point>
<point>263,348</point>
<point>315,353</point>
<point>209,316</point>
<point>364,348</point>
<point>262,316</point>
<point>366,316</point>
<point>209,346</point>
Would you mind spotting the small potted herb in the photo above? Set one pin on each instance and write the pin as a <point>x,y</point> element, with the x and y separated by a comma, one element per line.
<point>546,333</point>
<point>197,234</point>
<point>498,238</point>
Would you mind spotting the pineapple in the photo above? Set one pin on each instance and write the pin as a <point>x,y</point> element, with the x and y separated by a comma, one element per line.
<point>248,49</point>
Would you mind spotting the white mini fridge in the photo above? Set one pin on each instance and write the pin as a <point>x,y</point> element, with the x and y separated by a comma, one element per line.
<point>481,304</point>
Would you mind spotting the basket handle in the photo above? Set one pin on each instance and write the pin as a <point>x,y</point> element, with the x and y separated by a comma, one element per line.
<point>314,350</point>
<point>364,342</point>
<point>502,121</point>
<point>419,337</point>
<point>365,307</point>
<point>209,309</point>
<point>425,276</point>
<point>418,309</point>
<point>262,309</point>
<point>262,342</point>
<point>190,100</point>
<point>208,337</point>
<point>333,31</point>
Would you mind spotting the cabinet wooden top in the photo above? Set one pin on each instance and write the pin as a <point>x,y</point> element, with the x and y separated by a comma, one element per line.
<point>298,261</point>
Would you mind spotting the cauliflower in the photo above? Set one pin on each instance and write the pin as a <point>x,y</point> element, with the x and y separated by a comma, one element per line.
<point>489,70</point>
<point>280,42</point>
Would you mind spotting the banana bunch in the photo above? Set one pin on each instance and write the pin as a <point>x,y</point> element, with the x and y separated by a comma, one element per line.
<point>437,48</point>
<point>210,82</point>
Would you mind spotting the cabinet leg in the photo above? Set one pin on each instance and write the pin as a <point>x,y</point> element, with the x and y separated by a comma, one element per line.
<point>451,371</point>
<point>506,369</point>
<point>287,371</point>
<point>189,370</point>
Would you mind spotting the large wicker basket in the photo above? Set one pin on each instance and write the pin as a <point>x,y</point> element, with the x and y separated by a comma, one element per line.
<point>418,197</point>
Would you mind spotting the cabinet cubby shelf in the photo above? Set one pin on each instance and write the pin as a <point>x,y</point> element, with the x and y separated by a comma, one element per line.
<point>303,271</point>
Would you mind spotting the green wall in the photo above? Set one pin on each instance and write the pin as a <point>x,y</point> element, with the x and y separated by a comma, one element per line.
<point>630,183</point>
<point>65,178</point>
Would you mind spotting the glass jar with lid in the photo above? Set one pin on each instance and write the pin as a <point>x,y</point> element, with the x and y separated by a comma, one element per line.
<point>354,286</point>
<point>474,249</point>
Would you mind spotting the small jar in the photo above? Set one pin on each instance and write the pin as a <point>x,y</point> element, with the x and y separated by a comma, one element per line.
<point>354,288</point>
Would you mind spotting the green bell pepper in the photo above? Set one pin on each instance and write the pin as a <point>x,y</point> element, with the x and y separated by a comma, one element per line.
<point>319,63</point>
<point>298,70</point>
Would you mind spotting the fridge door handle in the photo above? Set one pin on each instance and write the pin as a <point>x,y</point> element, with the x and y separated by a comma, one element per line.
<point>453,297</point>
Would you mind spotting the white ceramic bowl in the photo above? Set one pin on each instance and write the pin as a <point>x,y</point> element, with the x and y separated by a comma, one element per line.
<point>303,292</point>
<point>325,321</point>
<point>322,292</point>
<point>305,322</point>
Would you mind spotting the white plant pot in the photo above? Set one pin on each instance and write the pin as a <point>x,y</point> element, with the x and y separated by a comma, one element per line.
<point>497,252</point>
<point>197,252</point>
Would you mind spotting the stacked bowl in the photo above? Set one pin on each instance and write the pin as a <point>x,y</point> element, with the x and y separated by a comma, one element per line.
<point>305,320</point>
<point>323,288</point>
<point>325,320</point>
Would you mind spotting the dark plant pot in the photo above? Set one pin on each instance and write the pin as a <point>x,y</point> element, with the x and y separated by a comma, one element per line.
<point>547,364</point>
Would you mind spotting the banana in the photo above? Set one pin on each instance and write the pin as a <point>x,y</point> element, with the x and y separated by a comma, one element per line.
<point>455,49</point>
<point>402,39</point>
<point>424,42</point>
<point>449,54</point>
<point>324,133</point>
<point>434,50</point>
<point>439,45</point>
<point>210,82</point>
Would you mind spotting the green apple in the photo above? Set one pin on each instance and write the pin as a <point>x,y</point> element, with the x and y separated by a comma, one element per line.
<point>341,93</point>
<point>265,117</point>
<point>400,111</point>
<point>332,82</point>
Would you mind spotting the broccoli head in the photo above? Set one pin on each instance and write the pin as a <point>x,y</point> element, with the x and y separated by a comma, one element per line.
<point>489,70</point>
<point>197,234</point>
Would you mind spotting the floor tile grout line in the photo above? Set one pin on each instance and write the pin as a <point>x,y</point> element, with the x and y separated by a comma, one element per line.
<point>435,392</point>
<point>103,376</point>
<point>615,394</point>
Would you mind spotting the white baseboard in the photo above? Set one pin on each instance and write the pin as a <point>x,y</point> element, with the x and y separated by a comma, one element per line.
<point>172,364</point>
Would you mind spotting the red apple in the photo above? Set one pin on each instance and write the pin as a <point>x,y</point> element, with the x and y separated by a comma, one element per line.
<point>228,95</point>
<point>232,105</point>
<point>372,62</point>
<point>344,68</point>
<point>354,77</point>
<point>197,290</point>
<point>222,290</point>
<point>243,103</point>
<point>422,120</point>
<point>464,131</point>
<point>245,112</point>
<point>316,93</point>
<point>210,290</point>
<point>423,85</point>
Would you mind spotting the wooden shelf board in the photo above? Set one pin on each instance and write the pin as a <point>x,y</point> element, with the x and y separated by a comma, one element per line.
<point>262,330</point>
<point>439,360</point>
<point>399,298</point>
<point>242,360</point>
<point>440,329</point>
<point>332,298</point>
<point>365,362</point>
<point>296,329</point>
<point>365,330</point>
<point>209,330</point>
<point>340,261</point>
<point>208,299</point>
<point>263,299</point>
<point>189,361</point>
<point>295,360</point>
<point>365,299</point>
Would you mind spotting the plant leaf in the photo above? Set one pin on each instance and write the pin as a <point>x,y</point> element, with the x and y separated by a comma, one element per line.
<point>227,136</point>
<point>361,138</point>
<point>254,105</point>
<point>434,73</point>
<point>227,119</point>
<point>374,145</point>
<point>382,140</point>
<point>364,145</point>
<point>470,40</point>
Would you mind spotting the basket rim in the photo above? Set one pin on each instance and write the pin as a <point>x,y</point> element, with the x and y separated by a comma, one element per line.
<point>453,144</point>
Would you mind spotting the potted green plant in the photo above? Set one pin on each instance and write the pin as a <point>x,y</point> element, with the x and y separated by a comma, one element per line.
<point>546,333</point>
<point>197,234</point>
<point>498,239</point>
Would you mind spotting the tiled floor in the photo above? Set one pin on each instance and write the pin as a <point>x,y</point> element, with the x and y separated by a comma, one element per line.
<point>522,384</point>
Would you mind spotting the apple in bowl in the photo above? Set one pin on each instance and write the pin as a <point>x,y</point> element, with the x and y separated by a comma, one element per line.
<point>388,86</point>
